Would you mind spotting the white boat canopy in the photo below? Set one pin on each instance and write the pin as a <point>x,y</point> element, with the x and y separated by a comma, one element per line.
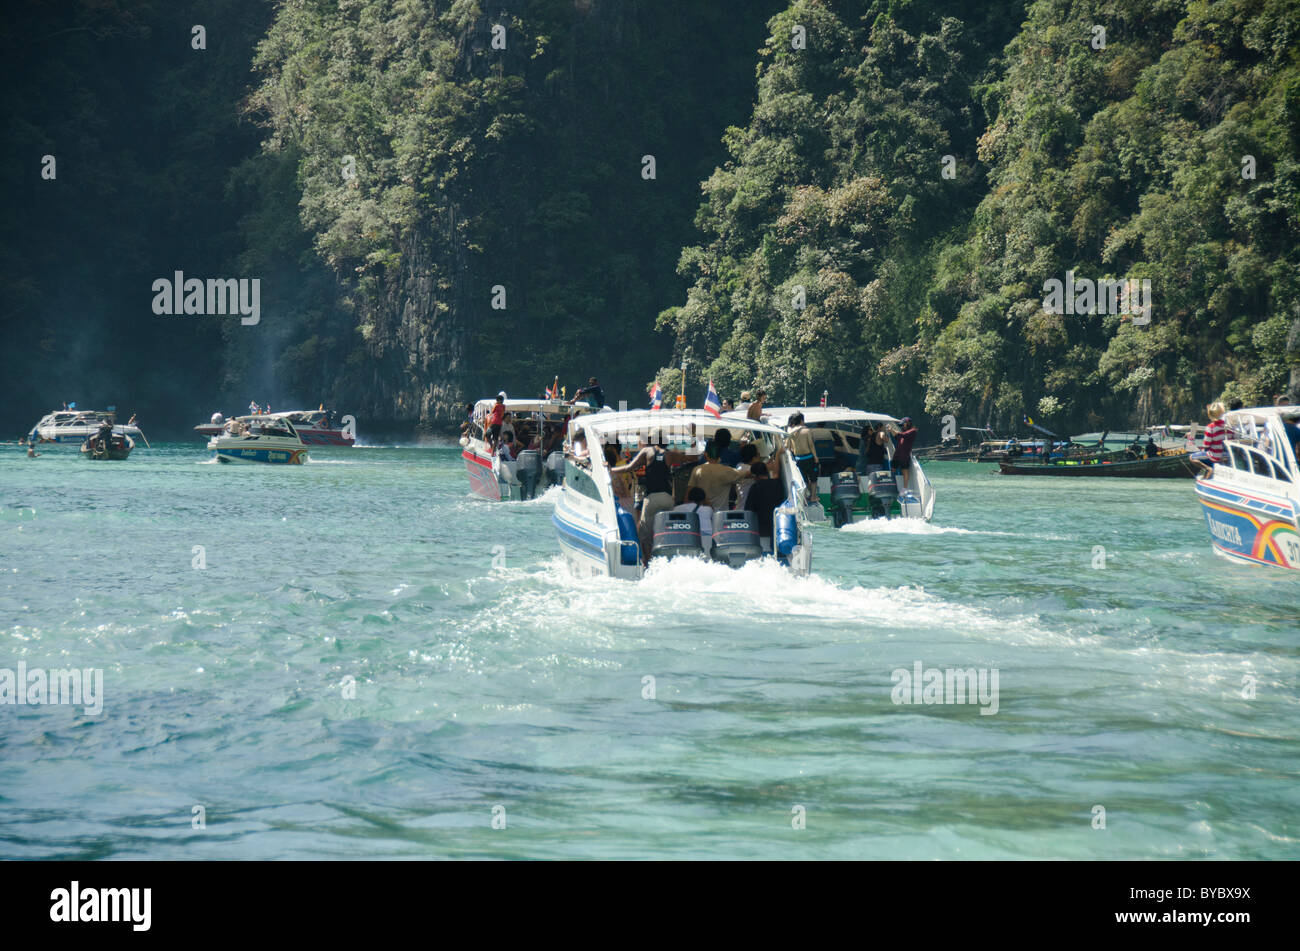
<point>813,415</point>
<point>1261,413</point>
<point>670,423</point>
<point>559,408</point>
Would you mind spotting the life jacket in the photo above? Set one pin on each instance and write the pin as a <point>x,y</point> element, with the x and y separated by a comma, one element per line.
<point>658,477</point>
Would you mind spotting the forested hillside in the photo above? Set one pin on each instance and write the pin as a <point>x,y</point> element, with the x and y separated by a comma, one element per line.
<point>442,198</point>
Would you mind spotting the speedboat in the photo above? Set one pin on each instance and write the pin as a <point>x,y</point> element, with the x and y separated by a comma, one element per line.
<point>75,426</point>
<point>517,479</point>
<point>315,427</point>
<point>847,495</point>
<point>1252,502</point>
<point>267,439</point>
<point>599,536</point>
<point>107,443</point>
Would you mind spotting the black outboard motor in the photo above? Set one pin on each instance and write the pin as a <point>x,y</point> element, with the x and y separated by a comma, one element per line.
<point>528,470</point>
<point>882,490</point>
<point>555,468</point>
<point>735,538</point>
<point>677,533</point>
<point>844,496</point>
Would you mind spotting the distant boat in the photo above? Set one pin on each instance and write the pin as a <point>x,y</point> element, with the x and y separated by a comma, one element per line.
<point>1168,464</point>
<point>107,443</point>
<point>260,439</point>
<point>314,427</point>
<point>75,426</point>
<point>1252,503</point>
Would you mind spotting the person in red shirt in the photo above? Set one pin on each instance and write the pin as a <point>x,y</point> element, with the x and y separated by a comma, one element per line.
<point>1213,446</point>
<point>903,440</point>
<point>495,419</point>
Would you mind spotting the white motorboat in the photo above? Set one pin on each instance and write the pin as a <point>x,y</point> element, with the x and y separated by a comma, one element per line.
<point>1252,503</point>
<point>264,439</point>
<point>599,536</point>
<point>845,493</point>
<point>74,426</point>
<point>315,427</point>
<point>510,480</point>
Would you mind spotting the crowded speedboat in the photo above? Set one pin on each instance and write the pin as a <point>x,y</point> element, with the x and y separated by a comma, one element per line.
<point>262,438</point>
<point>650,485</point>
<point>1250,493</point>
<point>860,462</point>
<point>513,448</point>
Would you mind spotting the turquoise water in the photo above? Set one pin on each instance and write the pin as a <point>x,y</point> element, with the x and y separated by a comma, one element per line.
<point>486,676</point>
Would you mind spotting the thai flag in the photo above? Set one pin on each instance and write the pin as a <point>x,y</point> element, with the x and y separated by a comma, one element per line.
<point>553,390</point>
<point>656,396</point>
<point>712,403</point>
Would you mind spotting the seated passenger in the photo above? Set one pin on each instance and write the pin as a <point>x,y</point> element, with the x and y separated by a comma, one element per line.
<point>767,493</point>
<point>1291,424</point>
<point>728,454</point>
<point>621,479</point>
<point>506,448</point>
<point>696,504</point>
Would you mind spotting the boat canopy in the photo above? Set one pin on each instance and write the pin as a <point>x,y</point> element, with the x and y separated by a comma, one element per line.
<point>1259,414</point>
<point>814,415</point>
<point>550,408</point>
<point>670,423</point>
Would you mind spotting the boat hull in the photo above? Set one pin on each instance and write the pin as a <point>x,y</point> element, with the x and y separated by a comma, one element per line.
<point>1177,466</point>
<point>1249,527</point>
<point>483,480</point>
<point>261,455</point>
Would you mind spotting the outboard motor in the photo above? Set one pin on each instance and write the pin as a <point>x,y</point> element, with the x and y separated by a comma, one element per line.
<point>677,533</point>
<point>844,496</point>
<point>882,490</point>
<point>528,469</point>
<point>555,468</point>
<point>735,538</point>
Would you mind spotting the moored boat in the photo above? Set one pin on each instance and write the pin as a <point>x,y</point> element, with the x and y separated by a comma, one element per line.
<point>847,495</point>
<point>107,443</point>
<point>74,427</point>
<point>1167,464</point>
<point>599,536</point>
<point>530,470</point>
<point>265,439</point>
<point>1251,503</point>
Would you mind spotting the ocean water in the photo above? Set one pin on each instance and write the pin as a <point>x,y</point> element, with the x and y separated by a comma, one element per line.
<point>358,659</point>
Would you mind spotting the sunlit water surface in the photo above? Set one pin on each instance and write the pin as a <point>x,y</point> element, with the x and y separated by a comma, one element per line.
<point>487,676</point>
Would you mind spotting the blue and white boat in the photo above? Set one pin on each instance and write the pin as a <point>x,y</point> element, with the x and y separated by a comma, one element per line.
<point>75,426</point>
<point>1252,503</point>
<point>262,439</point>
<point>598,536</point>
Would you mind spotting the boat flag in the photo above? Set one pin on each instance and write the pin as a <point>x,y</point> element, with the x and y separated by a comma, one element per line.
<point>553,390</point>
<point>656,396</point>
<point>712,403</point>
<point>825,393</point>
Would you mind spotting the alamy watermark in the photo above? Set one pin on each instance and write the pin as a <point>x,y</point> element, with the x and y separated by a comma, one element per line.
<point>953,685</point>
<point>181,295</point>
<point>1127,296</point>
<point>37,686</point>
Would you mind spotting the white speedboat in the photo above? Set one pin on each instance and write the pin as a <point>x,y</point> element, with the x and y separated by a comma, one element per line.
<point>315,427</point>
<point>599,536</point>
<point>845,493</point>
<point>265,439</point>
<point>1252,503</point>
<point>74,426</point>
<point>502,480</point>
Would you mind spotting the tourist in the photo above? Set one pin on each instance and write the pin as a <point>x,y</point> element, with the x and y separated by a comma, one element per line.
<point>871,449</point>
<point>903,440</point>
<point>496,419</point>
<point>801,446</point>
<point>658,460</point>
<point>767,493</point>
<point>755,409</point>
<point>595,396</point>
<point>1213,449</point>
<point>696,501</point>
<point>714,478</point>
